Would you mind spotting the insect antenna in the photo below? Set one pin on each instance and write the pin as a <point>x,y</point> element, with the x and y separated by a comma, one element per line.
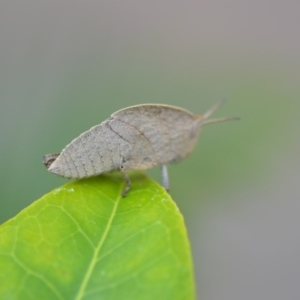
<point>48,159</point>
<point>206,121</point>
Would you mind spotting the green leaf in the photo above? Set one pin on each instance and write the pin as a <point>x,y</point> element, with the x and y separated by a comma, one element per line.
<point>84,241</point>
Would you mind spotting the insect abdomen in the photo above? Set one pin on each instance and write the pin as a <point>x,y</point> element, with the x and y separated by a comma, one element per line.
<point>166,128</point>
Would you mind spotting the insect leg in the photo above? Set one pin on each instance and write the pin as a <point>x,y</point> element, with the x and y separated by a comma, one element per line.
<point>165,177</point>
<point>127,180</point>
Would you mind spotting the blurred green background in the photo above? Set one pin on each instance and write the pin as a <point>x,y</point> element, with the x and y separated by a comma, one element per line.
<point>67,65</point>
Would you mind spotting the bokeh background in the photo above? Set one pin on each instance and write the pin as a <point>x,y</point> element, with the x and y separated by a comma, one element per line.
<point>67,65</point>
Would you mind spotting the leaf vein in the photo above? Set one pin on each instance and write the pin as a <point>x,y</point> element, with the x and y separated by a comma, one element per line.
<point>93,262</point>
<point>41,277</point>
<point>141,231</point>
<point>78,226</point>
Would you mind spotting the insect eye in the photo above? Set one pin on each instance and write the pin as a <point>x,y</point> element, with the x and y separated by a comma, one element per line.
<point>48,162</point>
<point>49,159</point>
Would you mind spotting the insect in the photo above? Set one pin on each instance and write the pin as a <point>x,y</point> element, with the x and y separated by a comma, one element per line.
<point>134,138</point>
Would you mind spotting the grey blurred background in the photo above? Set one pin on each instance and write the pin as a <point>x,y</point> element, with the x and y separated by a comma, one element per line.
<point>67,65</point>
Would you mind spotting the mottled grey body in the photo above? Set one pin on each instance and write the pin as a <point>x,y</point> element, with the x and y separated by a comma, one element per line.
<point>135,138</point>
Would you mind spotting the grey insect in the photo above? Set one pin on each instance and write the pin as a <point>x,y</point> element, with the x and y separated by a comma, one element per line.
<point>134,138</point>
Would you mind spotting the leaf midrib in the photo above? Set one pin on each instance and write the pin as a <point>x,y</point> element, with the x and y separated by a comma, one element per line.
<point>93,262</point>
